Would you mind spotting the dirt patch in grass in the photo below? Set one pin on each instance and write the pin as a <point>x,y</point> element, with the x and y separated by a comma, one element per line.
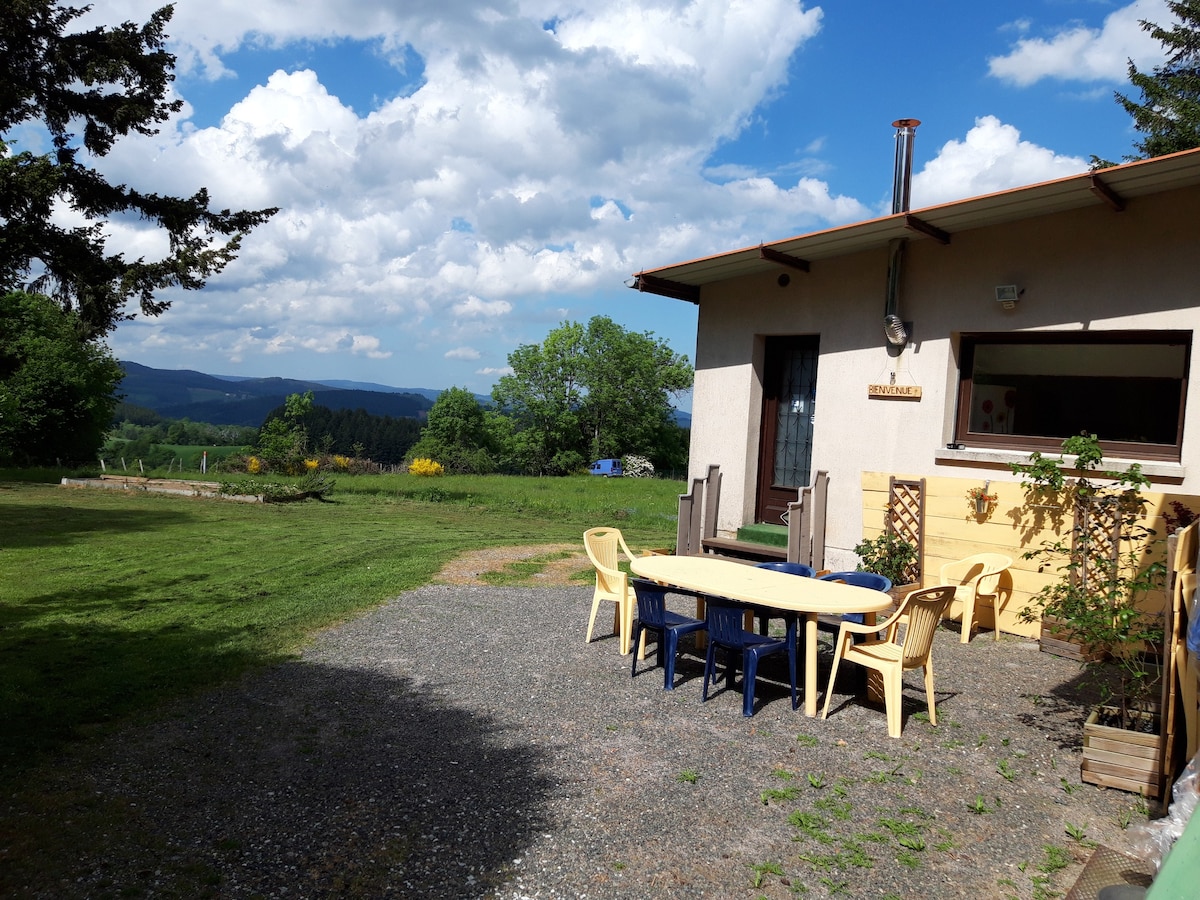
<point>546,565</point>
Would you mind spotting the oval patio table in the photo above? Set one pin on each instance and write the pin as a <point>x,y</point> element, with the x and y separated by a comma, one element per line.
<point>764,587</point>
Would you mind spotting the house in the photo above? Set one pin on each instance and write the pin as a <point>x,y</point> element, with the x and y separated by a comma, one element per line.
<point>940,344</point>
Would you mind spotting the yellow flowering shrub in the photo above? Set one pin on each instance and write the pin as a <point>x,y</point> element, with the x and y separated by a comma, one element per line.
<point>254,465</point>
<point>425,467</point>
<point>311,465</point>
<point>342,462</point>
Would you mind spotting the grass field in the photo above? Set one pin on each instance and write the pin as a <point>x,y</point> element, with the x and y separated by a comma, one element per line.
<point>112,602</point>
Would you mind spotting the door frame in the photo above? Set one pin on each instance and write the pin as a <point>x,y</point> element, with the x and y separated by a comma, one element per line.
<point>777,351</point>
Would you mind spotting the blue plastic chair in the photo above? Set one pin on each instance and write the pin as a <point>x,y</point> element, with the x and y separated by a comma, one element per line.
<point>725,630</point>
<point>859,579</point>
<point>653,615</point>
<point>789,567</point>
<point>765,614</point>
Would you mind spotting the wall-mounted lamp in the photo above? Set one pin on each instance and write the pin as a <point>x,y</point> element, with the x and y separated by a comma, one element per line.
<point>894,330</point>
<point>1007,295</point>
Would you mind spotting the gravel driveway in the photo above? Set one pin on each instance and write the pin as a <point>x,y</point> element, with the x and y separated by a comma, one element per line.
<point>463,741</point>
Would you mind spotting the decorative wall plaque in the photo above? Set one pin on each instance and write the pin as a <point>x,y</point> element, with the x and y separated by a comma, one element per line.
<point>894,391</point>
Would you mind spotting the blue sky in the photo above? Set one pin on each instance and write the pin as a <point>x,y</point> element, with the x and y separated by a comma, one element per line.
<point>456,178</point>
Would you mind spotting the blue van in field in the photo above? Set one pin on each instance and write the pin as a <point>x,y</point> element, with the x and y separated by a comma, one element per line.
<point>609,468</point>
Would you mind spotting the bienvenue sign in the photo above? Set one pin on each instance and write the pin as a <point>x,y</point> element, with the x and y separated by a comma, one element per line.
<point>894,391</point>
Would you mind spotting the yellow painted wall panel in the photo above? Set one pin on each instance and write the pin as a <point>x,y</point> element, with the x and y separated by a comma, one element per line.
<point>953,531</point>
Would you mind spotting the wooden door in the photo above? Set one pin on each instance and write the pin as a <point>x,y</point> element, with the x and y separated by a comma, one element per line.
<point>789,410</point>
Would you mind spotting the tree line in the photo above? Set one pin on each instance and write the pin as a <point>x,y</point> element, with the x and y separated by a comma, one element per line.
<point>586,392</point>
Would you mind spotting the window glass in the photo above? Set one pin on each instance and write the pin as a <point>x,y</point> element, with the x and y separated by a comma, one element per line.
<point>1027,391</point>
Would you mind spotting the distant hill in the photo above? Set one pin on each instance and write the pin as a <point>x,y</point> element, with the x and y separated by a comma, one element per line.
<point>186,394</point>
<point>234,400</point>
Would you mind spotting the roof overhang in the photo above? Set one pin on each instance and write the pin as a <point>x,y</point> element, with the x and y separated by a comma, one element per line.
<point>1111,188</point>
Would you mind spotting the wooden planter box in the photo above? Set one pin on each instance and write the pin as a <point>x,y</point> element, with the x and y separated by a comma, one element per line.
<point>1118,758</point>
<point>1055,638</point>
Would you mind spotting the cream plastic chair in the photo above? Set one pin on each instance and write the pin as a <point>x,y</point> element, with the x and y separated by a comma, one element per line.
<point>890,658</point>
<point>974,577</point>
<point>604,546</point>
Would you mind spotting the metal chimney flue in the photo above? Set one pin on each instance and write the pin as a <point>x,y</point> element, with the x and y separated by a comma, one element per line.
<point>893,326</point>
<point>906,130</point>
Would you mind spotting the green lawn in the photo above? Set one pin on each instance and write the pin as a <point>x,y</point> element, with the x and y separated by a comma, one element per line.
<point>112,602</point>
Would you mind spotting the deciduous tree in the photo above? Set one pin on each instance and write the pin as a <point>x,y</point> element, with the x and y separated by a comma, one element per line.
<point>599,391</point>
<point>87,89</point>
<point>56,387</point>
<point>456,434</point>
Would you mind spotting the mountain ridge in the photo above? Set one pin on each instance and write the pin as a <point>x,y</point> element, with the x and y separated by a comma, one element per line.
<point>246,400</point>
<point>200,397</point>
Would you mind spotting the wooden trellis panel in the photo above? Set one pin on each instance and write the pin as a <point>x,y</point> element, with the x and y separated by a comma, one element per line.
<point>906,518</point>
<point>1099,524</point>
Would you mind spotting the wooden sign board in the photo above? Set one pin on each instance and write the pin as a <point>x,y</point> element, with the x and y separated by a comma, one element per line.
<point>894,391</point>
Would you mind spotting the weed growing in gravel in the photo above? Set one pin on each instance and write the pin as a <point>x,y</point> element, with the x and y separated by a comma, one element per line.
<point>1004,767</point>
<point>835,887</point>
<point>835,807</point>
<point>899,828</point>
<point>762,870</point>
<point>1056,858</point>
<point>811,825</point>
<point>979,807</point>
<point>688,776</point>
<point>856,855</point>
<point>807,740</point>
<point>874,837</point>
<point>791,792</point>
<point>816,780</point>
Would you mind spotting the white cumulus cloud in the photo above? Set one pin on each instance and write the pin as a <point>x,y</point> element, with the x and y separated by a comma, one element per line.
<point>1080,53</point>
<point>992,157</point>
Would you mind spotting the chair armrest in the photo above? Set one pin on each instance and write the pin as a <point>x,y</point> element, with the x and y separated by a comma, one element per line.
<point>855,628</point>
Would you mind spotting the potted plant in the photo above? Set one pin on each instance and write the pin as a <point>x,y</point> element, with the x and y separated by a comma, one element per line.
<point>1097,600</point>
<point>980,500</point>
<point>892,556</point>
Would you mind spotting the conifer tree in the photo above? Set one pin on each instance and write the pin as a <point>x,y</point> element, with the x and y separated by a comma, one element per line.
<point>1168,115</point>
<point>87,89</point>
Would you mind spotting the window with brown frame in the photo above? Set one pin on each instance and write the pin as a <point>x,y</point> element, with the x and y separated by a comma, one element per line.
<point>1029,391</point>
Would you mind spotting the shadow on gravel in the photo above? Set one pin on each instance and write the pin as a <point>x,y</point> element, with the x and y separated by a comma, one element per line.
<point>303,781</point>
